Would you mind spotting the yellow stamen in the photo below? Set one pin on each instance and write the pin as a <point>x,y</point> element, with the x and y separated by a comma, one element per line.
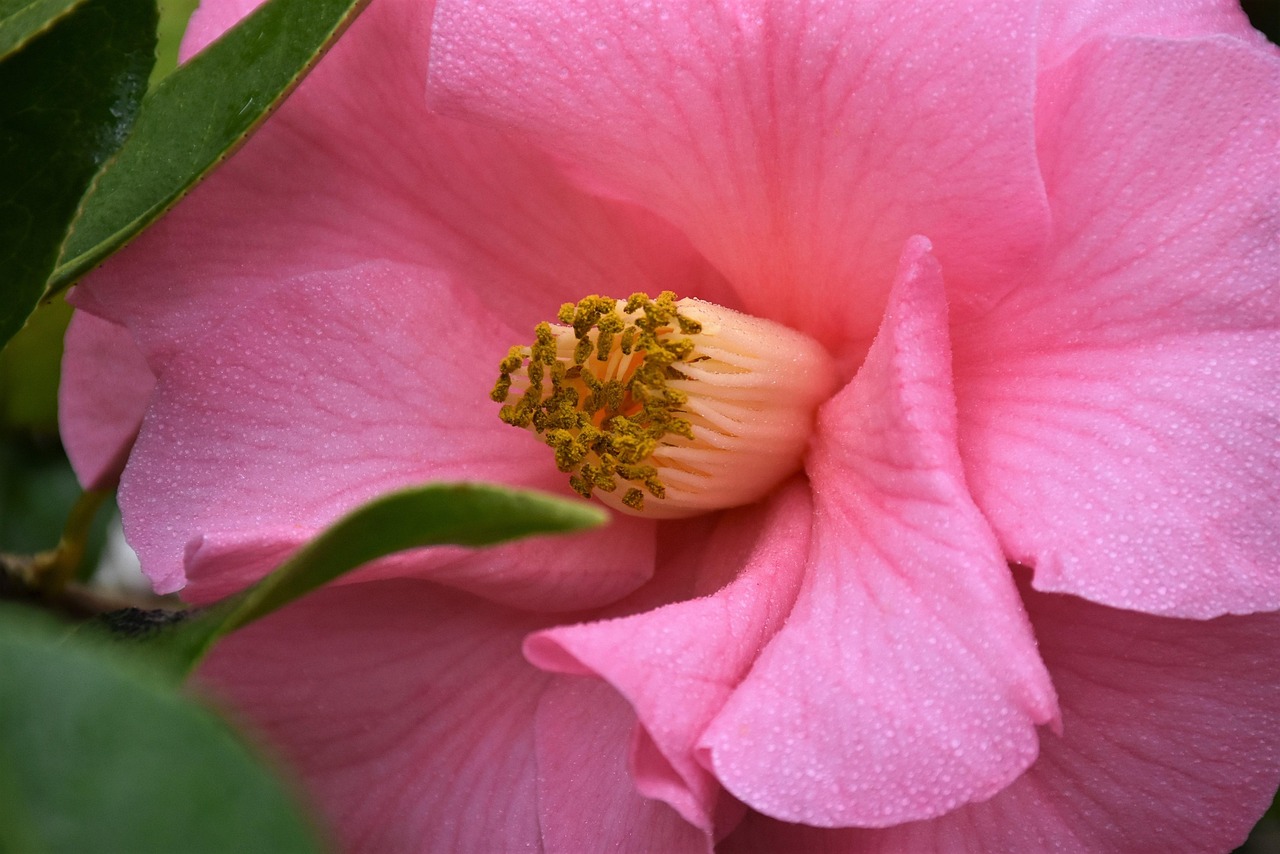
<point>666,408</point>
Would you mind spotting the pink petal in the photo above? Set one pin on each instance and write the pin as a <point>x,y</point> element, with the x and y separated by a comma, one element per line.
<point>101,399</point>
<point>1118,414</point>
<point>798,145</point>
<point>211,19</point>
<point>406,709</point>
<point>586,798</point>
<point>353,168</point>
<point>1066,25</point>
<point>1168,744</point>
<point>219,564</point>
<point>325,392</point>
<point>678,664</point>
<point>416,726</point>
<point>544,573</point>
<point>905,681</point>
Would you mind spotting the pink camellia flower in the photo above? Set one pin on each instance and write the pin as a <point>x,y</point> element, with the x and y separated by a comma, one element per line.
<point>1001,578</point>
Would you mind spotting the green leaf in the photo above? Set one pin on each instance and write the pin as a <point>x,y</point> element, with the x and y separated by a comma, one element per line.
<point>37,491</point>
<point>67,99</point>
<point>23,20</point>
<point>99,754</point>
<point>196,117</point>
<point>464,514</point>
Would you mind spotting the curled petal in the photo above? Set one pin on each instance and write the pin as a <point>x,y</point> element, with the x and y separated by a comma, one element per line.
<point>1167,744</point>
<point>905,681</point>
<point>678,664</point>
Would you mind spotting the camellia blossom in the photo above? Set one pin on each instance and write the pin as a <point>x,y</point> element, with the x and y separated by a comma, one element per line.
<point>1015,587</point>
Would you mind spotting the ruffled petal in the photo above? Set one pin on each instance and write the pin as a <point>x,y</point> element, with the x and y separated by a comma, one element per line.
<point>676,665</point>
<point>1168,744</point>
<point>1118,415</point>
<point>798,145</point>
<point>324,393</point>
<point>906,681</point>
<point>353,168</point>
<point>586,797</point>
<point>102,396</point>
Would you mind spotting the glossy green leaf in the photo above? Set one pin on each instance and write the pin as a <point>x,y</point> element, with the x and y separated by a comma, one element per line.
<point>465,514</point>
<point>67,100</point>
<point>196,117</point>
<point>23,20</point>
<point>97,753</point>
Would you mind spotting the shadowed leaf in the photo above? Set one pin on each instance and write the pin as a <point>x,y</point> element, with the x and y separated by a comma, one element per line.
<point>68,97</point>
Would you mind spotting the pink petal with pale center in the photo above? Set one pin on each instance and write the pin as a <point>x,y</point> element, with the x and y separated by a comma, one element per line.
<point>103,394</point>
<point>324,393</point>
<point>798,145</point>
<point>1118,414</point>
<point>1168,744</point>
<point>678,664</point>
<point>353,168</point>
<point>905,682</point>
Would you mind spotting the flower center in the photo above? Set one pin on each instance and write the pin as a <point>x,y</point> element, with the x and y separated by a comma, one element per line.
<point>667,408</point>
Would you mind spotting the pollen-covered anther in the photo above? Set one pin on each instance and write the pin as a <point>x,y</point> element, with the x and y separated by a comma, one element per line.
<point>666,408</point>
